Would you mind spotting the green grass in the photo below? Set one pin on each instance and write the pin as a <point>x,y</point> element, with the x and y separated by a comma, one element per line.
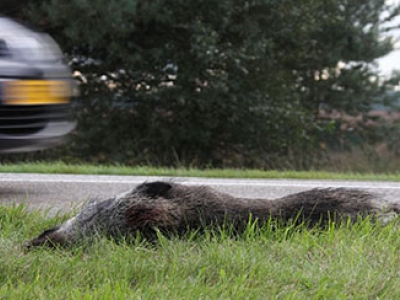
<point>349,262</point>
<point>63,168</point>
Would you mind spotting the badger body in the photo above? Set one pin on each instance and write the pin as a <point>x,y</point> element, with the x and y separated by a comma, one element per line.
<point>174,208</point>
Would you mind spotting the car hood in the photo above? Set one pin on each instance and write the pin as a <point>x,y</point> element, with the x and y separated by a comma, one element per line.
<point>19,43</point>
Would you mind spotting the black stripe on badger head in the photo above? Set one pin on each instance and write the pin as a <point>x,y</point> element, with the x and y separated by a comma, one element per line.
<point>50,238</point>
<point>154,189</point>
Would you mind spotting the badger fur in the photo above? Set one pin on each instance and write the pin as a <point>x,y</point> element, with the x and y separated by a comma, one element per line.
<point>174,208</point>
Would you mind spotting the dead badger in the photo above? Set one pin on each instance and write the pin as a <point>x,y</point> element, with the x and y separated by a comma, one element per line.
<point>174,208</point>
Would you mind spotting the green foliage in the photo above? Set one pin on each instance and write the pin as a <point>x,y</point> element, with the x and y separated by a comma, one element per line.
<point>214,83</point>
<point>356,165</point>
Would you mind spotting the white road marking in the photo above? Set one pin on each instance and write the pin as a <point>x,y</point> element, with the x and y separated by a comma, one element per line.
<point>54,178</point>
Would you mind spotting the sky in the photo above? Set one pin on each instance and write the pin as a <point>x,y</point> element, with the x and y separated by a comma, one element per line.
<point>391,61</point>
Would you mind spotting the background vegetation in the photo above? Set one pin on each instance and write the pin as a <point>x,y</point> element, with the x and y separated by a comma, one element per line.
<point>220,83</point>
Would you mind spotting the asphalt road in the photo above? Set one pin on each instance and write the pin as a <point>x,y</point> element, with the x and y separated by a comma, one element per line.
<point>64,192</point>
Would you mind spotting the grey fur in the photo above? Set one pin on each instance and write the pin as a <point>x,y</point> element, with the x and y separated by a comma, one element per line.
<point>175,208</point>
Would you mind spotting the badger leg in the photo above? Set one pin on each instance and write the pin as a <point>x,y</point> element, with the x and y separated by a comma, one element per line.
<point>154,189</point>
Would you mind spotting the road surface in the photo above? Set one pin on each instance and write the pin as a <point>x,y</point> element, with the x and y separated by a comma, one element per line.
<point>64,192</point>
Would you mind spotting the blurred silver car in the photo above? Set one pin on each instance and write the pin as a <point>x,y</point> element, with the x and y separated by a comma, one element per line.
<point>35,90</point>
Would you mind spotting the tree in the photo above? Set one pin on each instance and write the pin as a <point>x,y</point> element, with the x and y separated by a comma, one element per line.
<point>213,82</point>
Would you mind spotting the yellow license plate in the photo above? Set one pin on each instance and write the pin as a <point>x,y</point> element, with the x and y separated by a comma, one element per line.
<point>35,92</point>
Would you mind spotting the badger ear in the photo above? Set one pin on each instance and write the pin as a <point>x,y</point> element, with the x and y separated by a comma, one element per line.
<point>154,189</point>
